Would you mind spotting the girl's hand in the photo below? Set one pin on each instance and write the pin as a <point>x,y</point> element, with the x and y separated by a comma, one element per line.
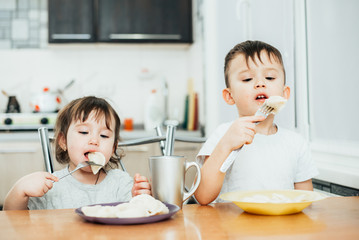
<point>141,185</point>
<point>37,184</point>
<point>32,185</point>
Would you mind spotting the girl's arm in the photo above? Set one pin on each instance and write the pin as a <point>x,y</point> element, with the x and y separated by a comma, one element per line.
<point>306,185</point>
<point>32,185</point>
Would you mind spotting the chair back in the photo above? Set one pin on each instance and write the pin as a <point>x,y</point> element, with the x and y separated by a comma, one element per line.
<point>166,144</point>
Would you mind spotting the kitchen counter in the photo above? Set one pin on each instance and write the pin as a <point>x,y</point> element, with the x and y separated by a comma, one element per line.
<point>125,135</point>
<point>332,218</point>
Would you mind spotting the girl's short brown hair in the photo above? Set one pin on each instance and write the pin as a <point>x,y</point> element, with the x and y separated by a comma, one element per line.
<point>79,110</point>
<point>251,49</point>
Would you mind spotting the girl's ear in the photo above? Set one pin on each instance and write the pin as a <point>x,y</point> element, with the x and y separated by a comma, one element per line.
<point>227,96</point>
<point>286,92</point>
<point>62,141</point>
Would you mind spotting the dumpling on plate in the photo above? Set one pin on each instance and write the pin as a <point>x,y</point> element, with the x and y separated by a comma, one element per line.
<point>91,211</point>
<point>140,206</point>
<point>152,205</point>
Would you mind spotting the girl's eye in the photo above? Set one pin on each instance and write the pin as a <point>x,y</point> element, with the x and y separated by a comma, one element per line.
<point>270,78</point>
<point>104,136</point>
<point>83,132</point>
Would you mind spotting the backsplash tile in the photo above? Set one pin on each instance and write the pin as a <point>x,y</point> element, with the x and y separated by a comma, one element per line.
<point>23,24</point>
<point>8,4</point>
<point>19,30</point>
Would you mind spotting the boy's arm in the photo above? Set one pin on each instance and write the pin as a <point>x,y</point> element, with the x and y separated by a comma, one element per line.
<point>241,132</point>
<point>211,177</point>
<point>32,185</point>
<point>306,185</point>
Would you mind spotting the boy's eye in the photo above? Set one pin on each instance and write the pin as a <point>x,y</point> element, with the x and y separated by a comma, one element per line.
<point>270,78</point>
<point>83,132</point>
<point>247,79</point>
<point>104,136</point>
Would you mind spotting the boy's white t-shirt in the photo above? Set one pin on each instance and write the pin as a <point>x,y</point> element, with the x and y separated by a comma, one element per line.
<point>270,162</point>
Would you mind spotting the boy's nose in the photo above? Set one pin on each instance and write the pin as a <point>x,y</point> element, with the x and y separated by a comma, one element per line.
<point>259,84</point>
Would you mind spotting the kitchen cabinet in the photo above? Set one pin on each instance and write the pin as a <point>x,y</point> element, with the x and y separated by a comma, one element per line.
<point>71,21</point>
<point>18,159</point>
<point>145,21</point>
<point>120,21</point>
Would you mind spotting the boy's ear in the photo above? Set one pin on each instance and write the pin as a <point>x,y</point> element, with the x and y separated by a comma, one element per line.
<point>286,92</point>
<point>227,96</point>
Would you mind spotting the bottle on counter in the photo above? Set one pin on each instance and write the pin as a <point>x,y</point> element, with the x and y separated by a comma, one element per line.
<point>154,111</point>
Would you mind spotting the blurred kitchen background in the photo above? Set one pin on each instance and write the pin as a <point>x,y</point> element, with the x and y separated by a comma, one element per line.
<point>124,49</point>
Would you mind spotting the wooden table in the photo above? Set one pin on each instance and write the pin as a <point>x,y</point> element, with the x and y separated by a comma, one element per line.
<point>332,218</point>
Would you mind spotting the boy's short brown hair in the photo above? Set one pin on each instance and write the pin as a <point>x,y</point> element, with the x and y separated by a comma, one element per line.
<point>80,109</point>
<point>251,49</point>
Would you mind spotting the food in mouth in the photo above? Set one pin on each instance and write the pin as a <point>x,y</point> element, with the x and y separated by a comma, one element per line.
<point>97,158</point>
<point>142,205</point>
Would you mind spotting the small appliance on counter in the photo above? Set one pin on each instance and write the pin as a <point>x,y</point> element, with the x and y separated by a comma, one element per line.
<point>49,101</point>
<point>26,121</point>
<point>13,105</point>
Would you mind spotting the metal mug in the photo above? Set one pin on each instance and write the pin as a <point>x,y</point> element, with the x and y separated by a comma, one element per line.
<point>168,178</point>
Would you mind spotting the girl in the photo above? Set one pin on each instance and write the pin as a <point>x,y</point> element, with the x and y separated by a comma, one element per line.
<point>88,124</point>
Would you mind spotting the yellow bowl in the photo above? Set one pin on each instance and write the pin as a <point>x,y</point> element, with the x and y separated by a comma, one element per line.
<point>268,208</point>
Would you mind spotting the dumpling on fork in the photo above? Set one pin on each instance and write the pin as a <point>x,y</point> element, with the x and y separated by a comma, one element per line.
<point>98,158</point>
<point>275,102</point>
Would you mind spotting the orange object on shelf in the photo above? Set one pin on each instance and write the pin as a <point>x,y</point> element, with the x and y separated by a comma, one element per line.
<point>128,124</point>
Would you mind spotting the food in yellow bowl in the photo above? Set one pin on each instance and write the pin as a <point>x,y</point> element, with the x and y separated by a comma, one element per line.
<point>273,202</point>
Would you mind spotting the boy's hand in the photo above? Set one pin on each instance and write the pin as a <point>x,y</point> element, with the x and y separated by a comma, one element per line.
<point>241,131</point>
<point>37,184</point>
<point>141,185</point>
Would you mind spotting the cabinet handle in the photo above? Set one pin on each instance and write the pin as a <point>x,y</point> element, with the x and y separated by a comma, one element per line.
<point>70,36</point>
<point>145,36</point>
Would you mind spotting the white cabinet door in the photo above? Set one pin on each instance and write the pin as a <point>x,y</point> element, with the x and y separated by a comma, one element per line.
<point>18,159</point>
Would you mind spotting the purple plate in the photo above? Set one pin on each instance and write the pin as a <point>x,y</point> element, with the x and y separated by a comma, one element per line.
<point>125,221</point>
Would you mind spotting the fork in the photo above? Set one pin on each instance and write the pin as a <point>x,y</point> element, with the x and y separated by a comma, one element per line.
<point>264,111</point>
<point>79,166</point>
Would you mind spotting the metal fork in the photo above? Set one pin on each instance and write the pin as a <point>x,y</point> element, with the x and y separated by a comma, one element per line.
<point>264,111</point>
<point>79,166</point>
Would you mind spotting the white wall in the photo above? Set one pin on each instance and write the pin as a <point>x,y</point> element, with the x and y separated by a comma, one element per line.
<point>107,71</point>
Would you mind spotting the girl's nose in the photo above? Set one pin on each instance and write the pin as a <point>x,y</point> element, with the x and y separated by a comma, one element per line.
<point>93,141</point>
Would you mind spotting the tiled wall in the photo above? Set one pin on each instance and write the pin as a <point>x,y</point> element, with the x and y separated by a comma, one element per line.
<point>23,24</point>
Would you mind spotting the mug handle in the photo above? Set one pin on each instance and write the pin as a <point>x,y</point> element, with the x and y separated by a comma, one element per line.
<point>186,195</point>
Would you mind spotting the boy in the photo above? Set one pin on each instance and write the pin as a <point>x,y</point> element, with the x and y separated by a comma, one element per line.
<point>274,158</point>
